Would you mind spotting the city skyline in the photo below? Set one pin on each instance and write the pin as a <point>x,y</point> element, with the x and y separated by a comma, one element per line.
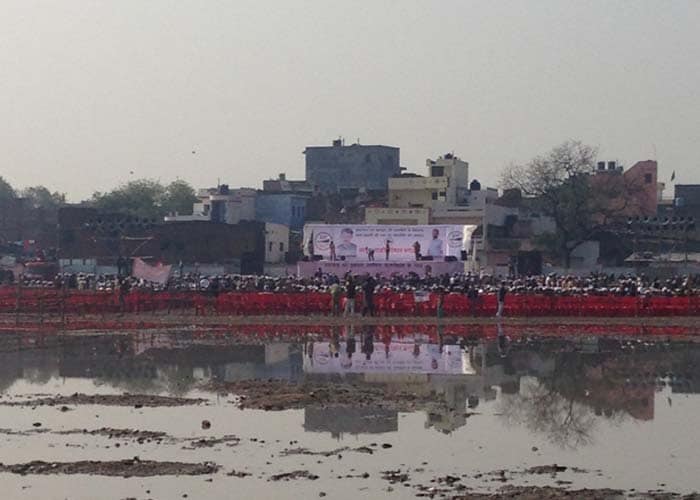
<point>95,91</point>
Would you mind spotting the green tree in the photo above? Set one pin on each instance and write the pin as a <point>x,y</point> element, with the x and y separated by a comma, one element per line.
<point>7,193</point>
<point>41,197</point>
<point>142,197</point>
<point>179,197</point>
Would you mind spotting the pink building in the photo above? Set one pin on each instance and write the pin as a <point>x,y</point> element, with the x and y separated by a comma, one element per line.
<point>638,187</point>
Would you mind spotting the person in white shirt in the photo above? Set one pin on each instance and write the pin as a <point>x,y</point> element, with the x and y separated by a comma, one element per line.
<point>435,249</point>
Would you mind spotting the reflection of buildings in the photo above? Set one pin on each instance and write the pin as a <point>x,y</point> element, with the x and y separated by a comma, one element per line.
<point>428,370</point>
<point>164,362</point>
<point>601,376</point>
<point>350,420</point>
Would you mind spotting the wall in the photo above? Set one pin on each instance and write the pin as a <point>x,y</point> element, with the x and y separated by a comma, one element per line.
<point>407,192</point>
<point>276,243</point>
<point>688,200</point>
<point>639,184</point>
<point>281,208</point>
<point>408,216</point>
<point>457,173</point>
<point>240,205</point>
<point>80,237</point>
<point>355,167</point>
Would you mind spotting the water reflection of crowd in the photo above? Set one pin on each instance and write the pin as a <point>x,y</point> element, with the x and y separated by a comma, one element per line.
<point>559,386</point>
<point>472,284</point>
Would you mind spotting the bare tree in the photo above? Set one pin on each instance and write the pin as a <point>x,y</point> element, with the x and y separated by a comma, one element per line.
<point>563,185</point>
<point>564,421</point>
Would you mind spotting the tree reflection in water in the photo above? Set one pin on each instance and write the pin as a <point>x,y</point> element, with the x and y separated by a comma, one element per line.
<point>567,404</point>
<point>543,410</point>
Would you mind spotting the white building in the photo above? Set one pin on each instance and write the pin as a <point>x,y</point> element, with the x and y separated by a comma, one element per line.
<point>221,204</point>
<point>447,184</point>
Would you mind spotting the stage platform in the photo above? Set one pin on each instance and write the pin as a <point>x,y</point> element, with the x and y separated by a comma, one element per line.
<point>381,267</point>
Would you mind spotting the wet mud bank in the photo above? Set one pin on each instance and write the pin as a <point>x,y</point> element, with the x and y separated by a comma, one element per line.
<point>121,468</point>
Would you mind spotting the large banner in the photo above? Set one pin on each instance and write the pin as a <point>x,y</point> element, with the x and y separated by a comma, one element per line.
<point>367,242</point>
<point>396,358</point>
<point>156,274</point>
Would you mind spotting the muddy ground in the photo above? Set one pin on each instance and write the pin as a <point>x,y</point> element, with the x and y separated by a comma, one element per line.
<point>123,468</point>
<point>135,400</point>
<point>276,395</point>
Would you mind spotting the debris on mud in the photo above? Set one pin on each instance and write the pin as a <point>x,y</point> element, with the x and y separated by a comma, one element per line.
<point>120,468</point>
<point>330,453</point>
<point>111,433</point>
<point>229,440</point>
<point>297,474</point>
<point>546,469</point>
<point>395,476</point>
<point>277,395</point>
<point>238,473</point>
<point>142,400</point>
<point>543,493</point>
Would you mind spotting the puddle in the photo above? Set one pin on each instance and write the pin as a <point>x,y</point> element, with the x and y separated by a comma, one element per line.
<point>354,413</point>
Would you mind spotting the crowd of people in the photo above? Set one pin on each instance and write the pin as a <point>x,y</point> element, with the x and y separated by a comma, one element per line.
<point>347,286</point>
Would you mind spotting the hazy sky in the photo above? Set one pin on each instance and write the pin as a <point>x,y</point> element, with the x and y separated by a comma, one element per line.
<point>92,90</point>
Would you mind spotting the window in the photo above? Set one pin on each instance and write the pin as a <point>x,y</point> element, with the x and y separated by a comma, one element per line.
<point>436,171</point>
<point>281,246</point>
<point>435,195</point>
<point>269,246</point>
<point>443,194</point>
<point>647,178</point>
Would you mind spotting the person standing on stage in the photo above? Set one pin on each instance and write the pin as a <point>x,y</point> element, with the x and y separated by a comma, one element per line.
<point>331,249</point>
<point>387,248</point>
<point>416,250</point>
<point>350,294</point>
<point>368,296</point>
<point>310,246</point>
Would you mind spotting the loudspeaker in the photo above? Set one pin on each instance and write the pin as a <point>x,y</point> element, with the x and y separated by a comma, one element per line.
<point>450,258</point>
<point>529,263</point>
<point>318,257</point>
<point>463,255</point>
<point>426,257</point>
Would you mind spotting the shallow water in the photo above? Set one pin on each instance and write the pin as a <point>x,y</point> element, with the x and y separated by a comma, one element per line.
<point>624,412</point>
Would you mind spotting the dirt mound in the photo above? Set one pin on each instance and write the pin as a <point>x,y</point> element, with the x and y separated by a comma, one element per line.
<point>123,468</point>
<point>135,400</point>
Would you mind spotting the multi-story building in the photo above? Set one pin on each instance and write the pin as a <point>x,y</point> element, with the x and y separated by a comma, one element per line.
<point>351,169</point>
<point>447,184</point>
<point>221,204</point>
<point>638,186</point>
<point>283,185</point>
<point>280,211</point>
<point>281,208</point>
<point>687,200</point>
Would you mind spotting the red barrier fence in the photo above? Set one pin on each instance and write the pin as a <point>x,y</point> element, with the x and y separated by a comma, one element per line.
<point>41,301</point>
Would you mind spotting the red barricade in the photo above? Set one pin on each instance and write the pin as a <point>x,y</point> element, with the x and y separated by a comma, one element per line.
<point>387,303</point>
